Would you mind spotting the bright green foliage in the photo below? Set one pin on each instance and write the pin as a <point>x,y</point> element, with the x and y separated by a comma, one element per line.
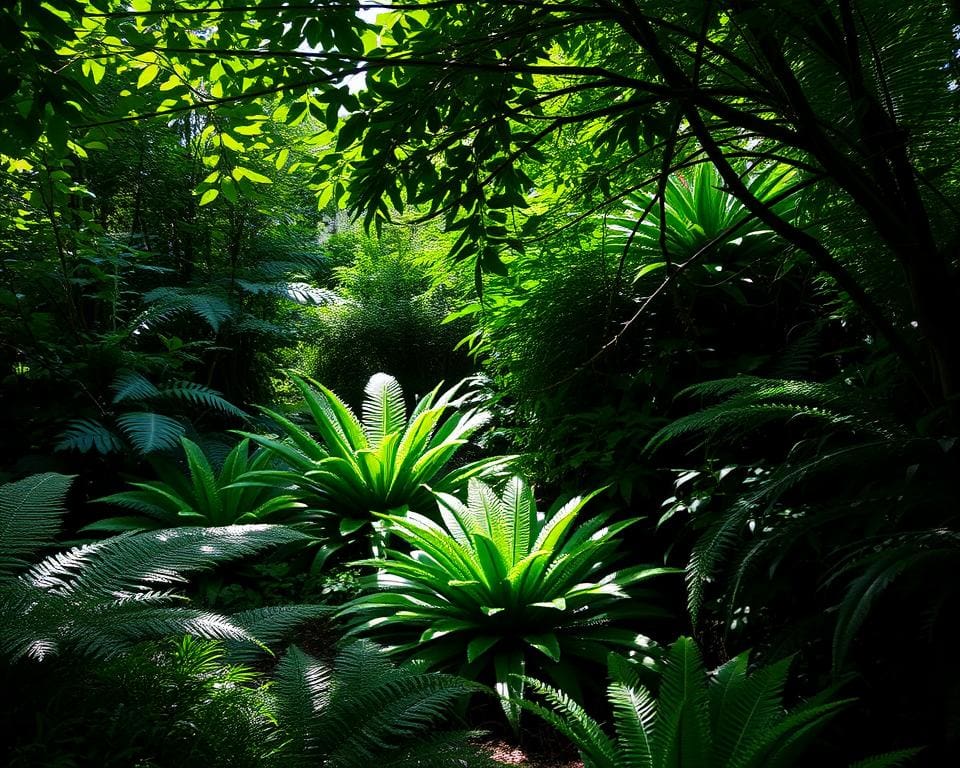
<point>204,496</point>
<point>726,720</point>
<point>386,461</point>
<point>363,711</point>
<point>98,599</point>
<point>500,585</point>
<point>701,218</point>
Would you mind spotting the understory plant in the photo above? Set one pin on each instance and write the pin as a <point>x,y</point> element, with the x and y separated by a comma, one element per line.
<point>135,404</point>
<point>385,461</point>
<point>204,496</point>
<point>363,710</point>
<point>868,498</point>
<point>99,599</point>
<point>730,719</point>
<point>499,588</point>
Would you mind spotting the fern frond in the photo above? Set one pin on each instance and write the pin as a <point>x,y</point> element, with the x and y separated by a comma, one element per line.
<point>710,549</point>
<point>150,432</point>
<point>272,625</point>
<point>211,309</point>
<point>86,435</point>
<point>383,408</point>
<point>133,386</point>
<point>198,394</point>
<point>634,712</point>
<point>753,401</point>
<point>30,514</point>
<point>888,759</point>
<point>99,599</point>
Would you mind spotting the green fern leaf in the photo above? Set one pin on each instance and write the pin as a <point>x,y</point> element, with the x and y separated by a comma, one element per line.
<point>198,394</point>
<point>30,514</point>
<point>86,435</point>
<point>384,411</point>
<point>150,432</point>
<point>132,386</point>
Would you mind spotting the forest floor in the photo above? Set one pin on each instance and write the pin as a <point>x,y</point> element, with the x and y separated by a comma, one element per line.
<point>512,755</point>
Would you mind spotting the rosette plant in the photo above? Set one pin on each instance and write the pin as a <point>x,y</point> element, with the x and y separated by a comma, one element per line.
<point>382,462</point>
<point>498,589</point>
<point>203,496</point>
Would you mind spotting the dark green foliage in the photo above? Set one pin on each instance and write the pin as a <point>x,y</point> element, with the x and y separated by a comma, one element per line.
<point>361,711</point>
<point>98,599</point>
<point>498,589</point>
<point>169,703</point>
<point>389,312</point>
<point>727,719</point>
<point>857,488</point>
<point>30,512</point>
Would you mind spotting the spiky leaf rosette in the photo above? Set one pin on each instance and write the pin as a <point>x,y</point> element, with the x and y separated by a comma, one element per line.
<point>729,719</point>
<point>380,463</point>
<point>204,496</point>
<point>499,587</point>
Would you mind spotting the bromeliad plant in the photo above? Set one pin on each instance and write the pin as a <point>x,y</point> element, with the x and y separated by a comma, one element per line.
<point>500,585</point>
<point>384,462</point>
<point>727,720</point>
<point>203,496</point>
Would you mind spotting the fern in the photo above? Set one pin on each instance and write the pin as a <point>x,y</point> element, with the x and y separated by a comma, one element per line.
<point>211,309</point>
<point>30,512</point>
<point>852,445</point>
<point>198,394</point>
<point>86,435</point>
<point>149,432</point>
<point>727,720</point>
<point>325,712</point>
<point>752,402</point>
<point>133,386</point>
<point>272,626</point>
<point>99,599</point>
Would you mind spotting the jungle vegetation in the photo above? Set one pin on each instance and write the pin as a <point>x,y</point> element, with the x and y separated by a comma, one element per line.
<point>383,380</point>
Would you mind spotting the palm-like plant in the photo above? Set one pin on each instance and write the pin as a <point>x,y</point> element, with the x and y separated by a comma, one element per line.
<point>364,711</point>
<point>384,462</point>
<point>727,720</point>
<point>203,496</point>
<point>700,216</point>
<point>98,599</point>
<point>500,585</point>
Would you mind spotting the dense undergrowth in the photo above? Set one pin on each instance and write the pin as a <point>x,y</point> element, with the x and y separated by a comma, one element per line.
<point>379,383</point>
